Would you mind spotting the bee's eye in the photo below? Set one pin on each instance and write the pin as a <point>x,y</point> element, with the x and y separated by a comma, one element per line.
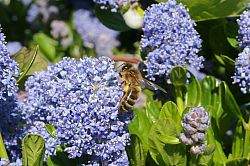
<point>124,68</point>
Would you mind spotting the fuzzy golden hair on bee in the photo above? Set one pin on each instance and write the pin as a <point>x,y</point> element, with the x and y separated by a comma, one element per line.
<point>133,83</point>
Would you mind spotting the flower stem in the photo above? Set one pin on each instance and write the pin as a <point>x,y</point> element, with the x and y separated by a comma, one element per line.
<point>3,153</point>
<point>179,100</point>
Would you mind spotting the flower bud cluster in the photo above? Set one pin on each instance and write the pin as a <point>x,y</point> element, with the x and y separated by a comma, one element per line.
<point>195,123</point>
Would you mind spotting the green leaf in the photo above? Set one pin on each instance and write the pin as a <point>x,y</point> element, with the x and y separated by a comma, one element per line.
<point>166,154</point>
<point>170,110</point>
<point>231,30</point>
<point>206,157</point>
<point>228,102</point>
<point>209,149</point>
<point>214,139</point>
<point>33,148</point>
<point>213,9</point>
<point>178,76</point>
<point>246,148</point>
<point>113,20</point>
<point>239,161</point>
<point>225,61</point>
<point>135,151</point>
<point>152,108</point>
<point>29,61</point>
<point>169,139</point>
<point>51,130</point>
<point>140,126</point>
<point>211,96</point>
<point>218,40</point>
<point>47,45</point>
<point>238,144</point>
<point>193,93</point>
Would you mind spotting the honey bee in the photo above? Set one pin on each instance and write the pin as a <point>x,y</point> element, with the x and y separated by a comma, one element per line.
<point>133,83</point>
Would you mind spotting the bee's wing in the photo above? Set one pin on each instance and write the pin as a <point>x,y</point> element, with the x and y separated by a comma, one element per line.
<point>150,85</point>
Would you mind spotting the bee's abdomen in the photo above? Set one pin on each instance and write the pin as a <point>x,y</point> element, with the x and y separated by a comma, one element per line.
<point>129,98</point>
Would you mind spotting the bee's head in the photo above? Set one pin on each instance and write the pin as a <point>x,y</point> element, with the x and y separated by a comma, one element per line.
<point>126,67</point>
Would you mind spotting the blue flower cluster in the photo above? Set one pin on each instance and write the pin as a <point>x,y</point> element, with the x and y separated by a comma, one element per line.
<point>244,29</point>
<point>13,47</point>
<point>113,5</point>
<point>242,63</point>
<point>242,70</point>
<point>10,113</point>
<point>43,8</point>
<point>81,98</point>
<point>169,39</point>
<point>61,31</point>
<point>8,72</point>
<point>195,123</point>
<point>94,34</point>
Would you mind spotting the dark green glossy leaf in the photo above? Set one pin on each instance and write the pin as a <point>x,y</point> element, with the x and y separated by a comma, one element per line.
<point>193,93</point>
<point>51,130</point>
<point>238,143</point>
<point>112,20</point>
<point>239,161</point>
<point>170,110</point>
<point>152,108</point>
<point>47,45</point>
<point>166,154</point>
<point>228,102</point>
<point>178,76</point>
<point>246,148</point>
<point>33,148</point>
<point>214,139</point>
<point>135,151</point>
<point>218,40</point>
<point>140,126</point>
<point>211,96</point>
<point>213,9</point>
<point>231,30</point>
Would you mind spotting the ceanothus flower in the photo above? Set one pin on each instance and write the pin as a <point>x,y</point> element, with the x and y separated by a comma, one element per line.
<point>242,70</point>
<point>11,115</point>
<point>94,34</point>
<point>195,123</point>
<point>8,72</point>
<point>244,29</point>
<point>81,98</point>
<point>61,31</point>
<point>13,47</point>
<point>43,8</point>
<point>170,39</point>
<point>114,5</point>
